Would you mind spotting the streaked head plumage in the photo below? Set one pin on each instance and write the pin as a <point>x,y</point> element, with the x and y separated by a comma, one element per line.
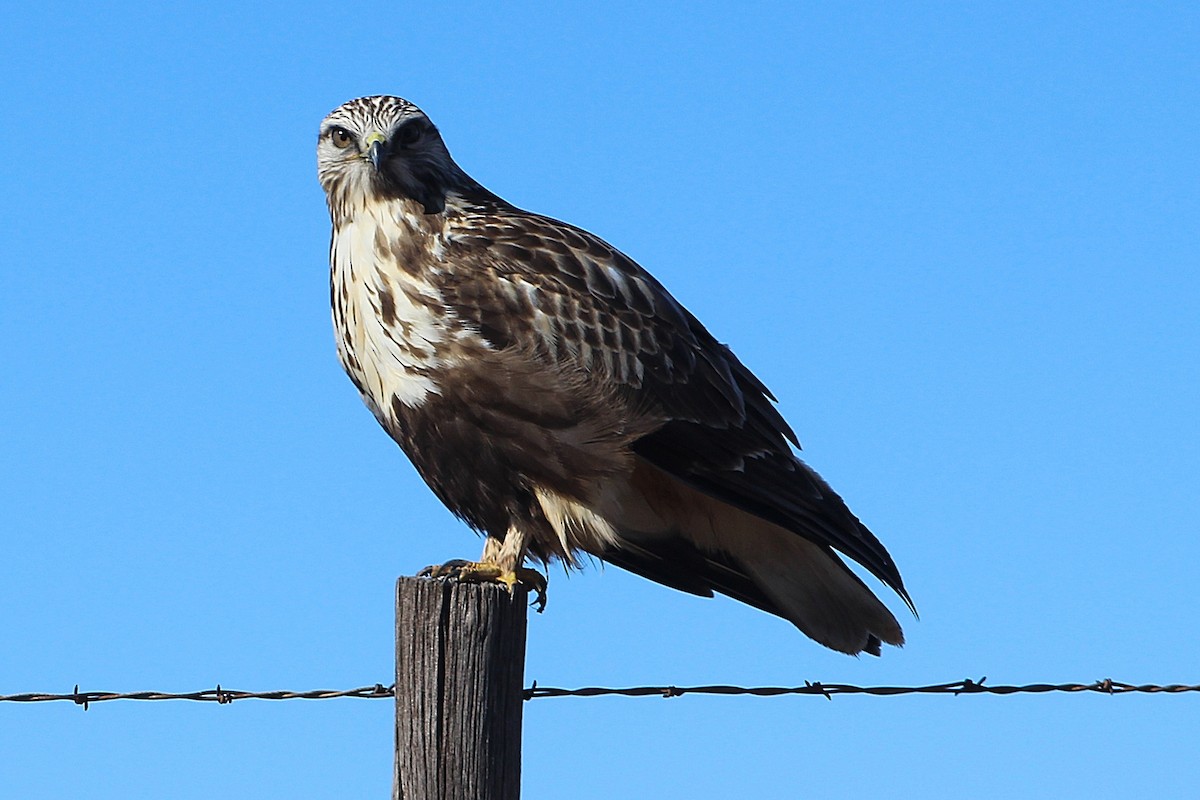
<point>384,146</point>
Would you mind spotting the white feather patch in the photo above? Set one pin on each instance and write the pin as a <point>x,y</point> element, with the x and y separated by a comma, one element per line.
<point>389,360</point>
<point>577,526</point>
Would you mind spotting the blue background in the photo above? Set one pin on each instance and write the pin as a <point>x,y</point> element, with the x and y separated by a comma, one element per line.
<point>959,244</point>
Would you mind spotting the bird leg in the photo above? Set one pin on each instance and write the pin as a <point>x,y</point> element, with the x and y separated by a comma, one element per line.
<point>500,563</point>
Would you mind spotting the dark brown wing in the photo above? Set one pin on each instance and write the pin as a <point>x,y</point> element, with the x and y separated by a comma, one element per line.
<point>549,287</point>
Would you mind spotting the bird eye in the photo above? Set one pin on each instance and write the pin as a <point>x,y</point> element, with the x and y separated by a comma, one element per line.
<point>340,137</point>
<point>408,135</point>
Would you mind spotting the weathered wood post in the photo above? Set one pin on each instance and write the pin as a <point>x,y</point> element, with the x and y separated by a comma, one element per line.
<point>460,668</point>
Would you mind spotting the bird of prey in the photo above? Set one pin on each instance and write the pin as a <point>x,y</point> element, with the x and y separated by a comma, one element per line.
<point>560,401</point>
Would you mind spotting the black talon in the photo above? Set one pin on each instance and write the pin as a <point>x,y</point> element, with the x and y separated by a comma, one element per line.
<point>451,569</point>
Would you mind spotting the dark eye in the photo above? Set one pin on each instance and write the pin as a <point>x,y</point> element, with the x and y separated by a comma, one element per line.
<point>409,134</point>
<point>340,137</point>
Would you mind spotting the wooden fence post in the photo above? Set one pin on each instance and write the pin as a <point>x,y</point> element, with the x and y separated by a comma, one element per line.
<point>460,668</point>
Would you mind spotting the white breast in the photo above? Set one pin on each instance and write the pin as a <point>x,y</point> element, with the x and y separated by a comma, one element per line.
<point>390,355</point>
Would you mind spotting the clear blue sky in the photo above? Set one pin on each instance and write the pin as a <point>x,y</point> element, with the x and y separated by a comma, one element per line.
<point>960,245</point>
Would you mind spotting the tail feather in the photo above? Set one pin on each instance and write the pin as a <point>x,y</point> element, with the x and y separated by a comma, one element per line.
<point>705,545</point>
<point>819,595</point>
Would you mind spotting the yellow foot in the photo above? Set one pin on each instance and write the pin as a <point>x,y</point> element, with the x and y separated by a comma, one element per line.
<point>487,572</point>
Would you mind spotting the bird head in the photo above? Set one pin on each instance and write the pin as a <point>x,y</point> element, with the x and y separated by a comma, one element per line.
<point>384,147</point>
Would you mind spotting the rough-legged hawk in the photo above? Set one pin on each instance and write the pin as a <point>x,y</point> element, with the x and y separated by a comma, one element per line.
<point>557,398</point>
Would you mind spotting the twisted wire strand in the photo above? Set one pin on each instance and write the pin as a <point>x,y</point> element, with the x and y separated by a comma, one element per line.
<point>827,690</point>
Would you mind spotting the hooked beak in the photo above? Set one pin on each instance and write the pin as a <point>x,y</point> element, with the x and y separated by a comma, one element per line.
<point>375,149</point>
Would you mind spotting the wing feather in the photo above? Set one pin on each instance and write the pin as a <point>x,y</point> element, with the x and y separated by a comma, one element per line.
<point>553,289</point>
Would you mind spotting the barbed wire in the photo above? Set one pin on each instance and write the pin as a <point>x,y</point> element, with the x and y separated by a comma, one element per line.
<point>828,690</point>
<point>217,695</point>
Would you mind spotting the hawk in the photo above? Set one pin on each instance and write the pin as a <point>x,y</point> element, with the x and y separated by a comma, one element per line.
<point>560,401</point>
